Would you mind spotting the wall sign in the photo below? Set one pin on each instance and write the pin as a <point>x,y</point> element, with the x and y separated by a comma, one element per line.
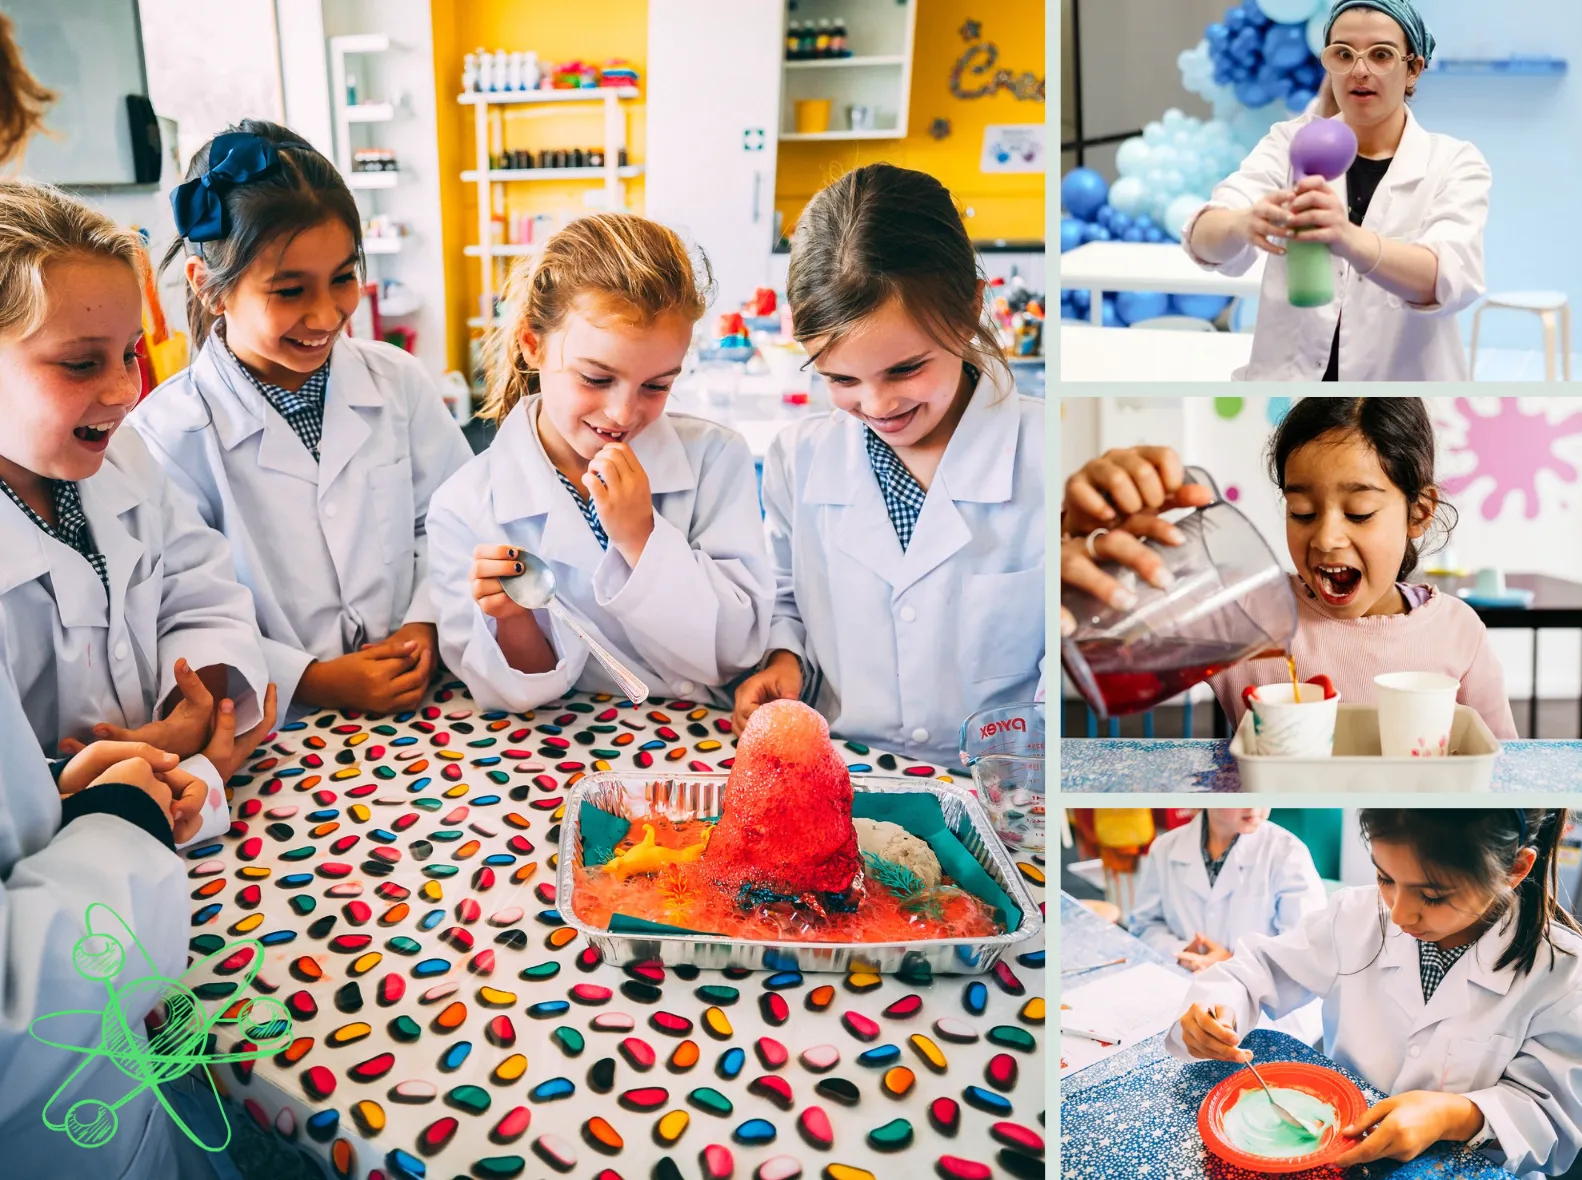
<point>977,65</point>
<point>1014,147</point>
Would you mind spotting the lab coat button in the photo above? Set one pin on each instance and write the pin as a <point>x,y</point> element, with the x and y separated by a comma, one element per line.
<point>686,688</point>
<point>330,510</point>
<point>920,735</point>
<point>908,614</point>
<point>120,651</point>
<point>1414,1051</point>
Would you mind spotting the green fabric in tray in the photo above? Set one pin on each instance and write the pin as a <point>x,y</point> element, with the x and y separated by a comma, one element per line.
<point>601,832</point>
<point>919,813</point>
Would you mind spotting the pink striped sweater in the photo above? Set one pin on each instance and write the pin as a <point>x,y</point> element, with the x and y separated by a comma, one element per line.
<point>1442,635</point>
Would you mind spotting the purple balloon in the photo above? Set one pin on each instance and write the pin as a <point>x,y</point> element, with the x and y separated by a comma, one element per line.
<point>1324,147</point>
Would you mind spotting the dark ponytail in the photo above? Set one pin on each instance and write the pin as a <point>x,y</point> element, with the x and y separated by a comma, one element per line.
<point>302,192</point>
<point>1479,848</point>
<point>1398,431</point>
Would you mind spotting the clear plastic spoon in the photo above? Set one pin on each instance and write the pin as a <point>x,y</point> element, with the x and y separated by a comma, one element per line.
<point>534,588</point>
<point>1285,1114</point>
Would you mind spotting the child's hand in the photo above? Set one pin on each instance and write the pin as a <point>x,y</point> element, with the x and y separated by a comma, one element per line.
<point>619,487</point>
<point>378,679</point>
<point>1201,953</point>
<point>418,642</point>
<point>94,759</point>
<point>1406,1125</point>
<point>183,731</point>
<point>781,680</point>
<point>180,795</point>
<point>227,751</point>
<point>1127,488</point>
<point>490,563</point>
<point>1212,1035</point>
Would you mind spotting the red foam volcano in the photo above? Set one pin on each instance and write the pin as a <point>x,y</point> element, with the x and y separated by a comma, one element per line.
<point>786,824</point>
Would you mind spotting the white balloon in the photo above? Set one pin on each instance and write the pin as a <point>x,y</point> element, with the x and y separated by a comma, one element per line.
<point>1134,157</point>
<point>1174,182</point>
<point>1174,118</point>
<point>1178,211</point>
<point>1154,134</point>
<point>1127,195</point>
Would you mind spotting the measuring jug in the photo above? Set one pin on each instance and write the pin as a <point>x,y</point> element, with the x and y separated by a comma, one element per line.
<point>1229,600</point>
<point>1004,749</point>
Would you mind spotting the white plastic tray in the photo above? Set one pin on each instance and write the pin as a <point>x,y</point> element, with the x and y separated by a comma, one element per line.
<point>1358,763</point>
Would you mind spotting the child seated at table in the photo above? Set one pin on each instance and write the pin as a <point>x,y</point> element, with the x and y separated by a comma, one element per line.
<point>647,520</point>
<point>1357,477</point>
<point>1224,875</point>
<point>1455,987</point>
<point>122,615</point>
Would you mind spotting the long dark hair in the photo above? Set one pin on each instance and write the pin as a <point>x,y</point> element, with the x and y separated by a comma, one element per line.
<point>881,233</point>
<point>1457,846</point>
<point>1398,431</point>
<point>303,192</point>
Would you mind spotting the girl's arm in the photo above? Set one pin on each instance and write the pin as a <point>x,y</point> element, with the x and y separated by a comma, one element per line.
<point>1216,236</point>
<point>1272,975</point>
<point>1483,688</point>
<point>787,631</point>
<point>1147,920</point>
<point>1535,1109</point>
<point>696,606</point>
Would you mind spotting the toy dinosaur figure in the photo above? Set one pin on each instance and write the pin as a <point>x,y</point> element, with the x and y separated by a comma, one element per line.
<point>648,857</point>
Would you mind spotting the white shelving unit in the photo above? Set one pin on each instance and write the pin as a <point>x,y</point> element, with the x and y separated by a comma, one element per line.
<point>348,115</point>
<point>878,75</point>
<point>612,174</point>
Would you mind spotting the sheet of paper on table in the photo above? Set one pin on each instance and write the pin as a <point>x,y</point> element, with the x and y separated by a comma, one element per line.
<point>1101,1018</point>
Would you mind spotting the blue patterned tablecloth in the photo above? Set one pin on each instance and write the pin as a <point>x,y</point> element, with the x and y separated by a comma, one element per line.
<point>1142,765</point>
<point>1086,938</point>
<point>1135,1115</point>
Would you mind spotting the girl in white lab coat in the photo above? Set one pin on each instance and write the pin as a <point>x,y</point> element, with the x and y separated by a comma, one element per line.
<point>648,521</point>
<point>1455,987</point>
<point>1211,882</point>
<point>1405,229</point>
<point>314,453</point>
<point>121,614</point>
<point>907,527</point>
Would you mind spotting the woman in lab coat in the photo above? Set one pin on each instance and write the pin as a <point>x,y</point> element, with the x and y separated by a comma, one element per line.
<point>1211,882</point>
<point>906,527</point>
<point>323,495</point>
<point>1455,987</point>
<point>1404,225</point>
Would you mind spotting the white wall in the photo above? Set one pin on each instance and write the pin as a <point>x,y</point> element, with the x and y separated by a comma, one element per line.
<point>1540,436</point>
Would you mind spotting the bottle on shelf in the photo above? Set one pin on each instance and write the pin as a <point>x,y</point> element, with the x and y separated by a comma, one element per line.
<point>501,69</point>
<point>793,41</point>
<point>351,90</point>
<point>808,38</point>
<point>485,70</point>
<point>821,39</point>
<point>531,74</point>
<point>595,157</point>
<point>837,39</point>
<point>469,73</point>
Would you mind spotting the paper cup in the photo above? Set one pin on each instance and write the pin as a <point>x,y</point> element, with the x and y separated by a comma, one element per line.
<point>1283,727</point>
<point>1416,710</point>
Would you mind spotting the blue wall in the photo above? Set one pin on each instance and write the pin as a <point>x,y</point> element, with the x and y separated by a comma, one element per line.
<point>1530,131</point>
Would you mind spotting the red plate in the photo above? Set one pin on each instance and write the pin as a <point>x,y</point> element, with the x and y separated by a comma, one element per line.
<point>1324,1084</point>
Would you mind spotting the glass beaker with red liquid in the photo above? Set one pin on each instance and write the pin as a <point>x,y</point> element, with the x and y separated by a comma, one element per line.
<point>1229,600</point>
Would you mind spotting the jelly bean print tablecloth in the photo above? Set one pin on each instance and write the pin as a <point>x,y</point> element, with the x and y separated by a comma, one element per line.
<point>1183,765</point>
<point>399,876</point>
<point>1135,1114</point>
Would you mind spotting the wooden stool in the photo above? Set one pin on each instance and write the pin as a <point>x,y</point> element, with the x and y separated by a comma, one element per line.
<point>1552,311</point>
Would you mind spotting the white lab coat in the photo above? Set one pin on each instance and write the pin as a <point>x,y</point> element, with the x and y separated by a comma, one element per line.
<point>693,613</point>
<point>1510,1043</point>
<point>173,595</point>
<point>49,876</point>
<point>1267,885</point>
<point>903,646</point>
<point>1435,194</point>
<point>334,552</point>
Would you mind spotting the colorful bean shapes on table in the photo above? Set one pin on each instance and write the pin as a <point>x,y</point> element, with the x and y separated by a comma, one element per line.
<point>399,874</point>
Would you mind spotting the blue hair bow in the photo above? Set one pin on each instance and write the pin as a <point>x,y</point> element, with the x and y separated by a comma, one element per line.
<point>234,158</point>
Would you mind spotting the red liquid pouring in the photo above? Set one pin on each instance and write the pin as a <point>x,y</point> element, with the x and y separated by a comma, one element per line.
<point>1173,666</point>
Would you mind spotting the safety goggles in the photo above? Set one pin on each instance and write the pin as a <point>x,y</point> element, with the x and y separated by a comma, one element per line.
<point>1378,60</point>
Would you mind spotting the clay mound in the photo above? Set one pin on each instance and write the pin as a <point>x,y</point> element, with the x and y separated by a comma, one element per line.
<point>786,825</point>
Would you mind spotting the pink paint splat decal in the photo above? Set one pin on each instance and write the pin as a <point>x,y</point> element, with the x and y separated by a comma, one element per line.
<point>216,798</point>
<point>1511,447</point>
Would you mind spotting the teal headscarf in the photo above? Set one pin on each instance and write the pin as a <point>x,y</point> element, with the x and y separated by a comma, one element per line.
<point>1403,12</point>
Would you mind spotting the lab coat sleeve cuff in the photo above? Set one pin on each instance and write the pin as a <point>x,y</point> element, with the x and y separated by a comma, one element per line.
<point>1500,1120</point>
<point>496,685</point>
<point>787,634</point>
<point>286,665</point>
<point>1240,262</point>
<point>130,803</point>
<point>216,810</point>
<point>642,596</point>
<point>422,609</point>
<point>207,647</point>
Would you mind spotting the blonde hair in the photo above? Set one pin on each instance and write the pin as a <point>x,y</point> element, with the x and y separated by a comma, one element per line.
<point>636,269</point>
<point>23,98</point>
<point>39,224</point>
